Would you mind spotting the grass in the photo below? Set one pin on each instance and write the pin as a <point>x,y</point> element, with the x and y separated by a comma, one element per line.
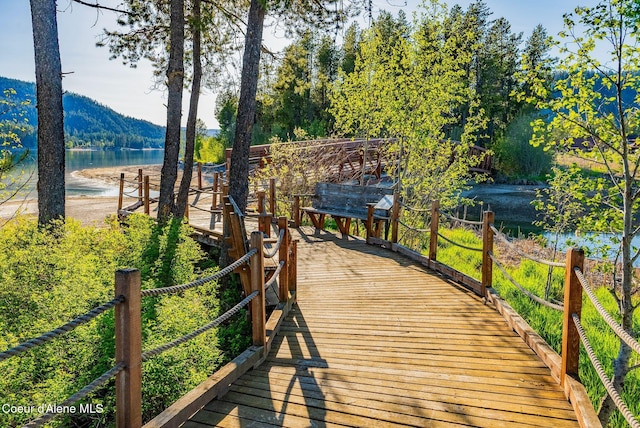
<point>547,322</point>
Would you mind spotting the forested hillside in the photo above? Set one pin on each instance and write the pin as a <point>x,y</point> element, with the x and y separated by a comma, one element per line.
<point>86,122</point>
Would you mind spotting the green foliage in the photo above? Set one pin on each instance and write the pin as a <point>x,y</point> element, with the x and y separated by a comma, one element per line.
<point>515,156</point>
<point>545,321</point>
<point>209,150</point>
<point>300,95</point>
<point>49,276</point>
<point>408,82</point>
<point>13,125</point>
<point>590,118</point>
<point>226,112</point>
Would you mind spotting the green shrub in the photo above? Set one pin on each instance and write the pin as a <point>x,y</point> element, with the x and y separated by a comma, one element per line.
<point>546,321</point>
<point>48,277</point>
<point>516,157</point>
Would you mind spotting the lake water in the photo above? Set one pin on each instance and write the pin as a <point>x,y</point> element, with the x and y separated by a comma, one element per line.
<point>76,160</point>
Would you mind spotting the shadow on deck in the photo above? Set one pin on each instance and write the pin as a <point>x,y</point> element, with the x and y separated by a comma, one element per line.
<point>377,340</point>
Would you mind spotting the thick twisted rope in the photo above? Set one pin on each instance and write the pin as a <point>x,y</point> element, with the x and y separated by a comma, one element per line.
<point>47,337</point>
<point>276,247</point>
<point>203,209</point>
<point>458,244</point>
<point>501,236</point>
<point>460,220</point>
<point>212,324</point>
<point>524,290</point>
<point>617,328</point>
<point>178,288</point>
<point>78,395</point>
<point>131,181</point>
<point>274,277</point>
<point>611,390</point>
<point>131,194</point>
<point>415,209</point>
<point>413,228</point>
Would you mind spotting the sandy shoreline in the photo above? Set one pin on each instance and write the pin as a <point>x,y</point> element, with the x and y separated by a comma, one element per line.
<point>88,209</point>
<point>111,175</point>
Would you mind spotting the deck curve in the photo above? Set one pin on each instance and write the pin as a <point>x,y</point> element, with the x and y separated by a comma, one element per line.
<point>376,340</point>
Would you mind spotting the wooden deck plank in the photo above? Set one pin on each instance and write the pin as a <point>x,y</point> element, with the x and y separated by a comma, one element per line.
<point>376,340</point>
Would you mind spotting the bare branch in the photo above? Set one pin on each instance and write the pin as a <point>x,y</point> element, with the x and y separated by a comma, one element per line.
<point>97,5</point>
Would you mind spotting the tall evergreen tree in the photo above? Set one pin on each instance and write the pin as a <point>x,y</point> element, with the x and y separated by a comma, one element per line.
<point>321,14</point>
<point>175,79</point>
<point>51,167</point>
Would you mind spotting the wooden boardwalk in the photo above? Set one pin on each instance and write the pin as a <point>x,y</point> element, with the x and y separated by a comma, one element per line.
<point>376,340</point>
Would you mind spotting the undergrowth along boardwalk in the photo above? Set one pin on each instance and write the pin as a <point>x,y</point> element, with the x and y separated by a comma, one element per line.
<point>376,340</point>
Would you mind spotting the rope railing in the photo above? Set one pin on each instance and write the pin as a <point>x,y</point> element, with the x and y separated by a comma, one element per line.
<point>224,317</point>
<point>128,309</point>
<point>617,328</point>
<point>97,383</point>
<point>522,288</point>
<point>575,282</point>
<point>49,336</point>
<point>611,390</point>
<point>457,244</point>
<point>503,238</point>
<point>461,220</point>
<point>179,288</point>
<point>414,209</point>
<point>412,228</point>
<point>275,275</point>
<point>276,247</point>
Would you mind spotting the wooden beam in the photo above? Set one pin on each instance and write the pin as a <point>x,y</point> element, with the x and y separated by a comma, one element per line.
<point>258,310</point>
<point>128,330</point>
<point>121,192</point>
<point>215,386</point>
<point>487,248</point>
<point>572,305</point>
<point>433,237</point>
<point>283,281</point>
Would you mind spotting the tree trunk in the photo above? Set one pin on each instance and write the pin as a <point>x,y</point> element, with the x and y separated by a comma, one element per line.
<point>239,170</point>
<point>187,172</point>
<point>51,191</point>
<point>175,77</point>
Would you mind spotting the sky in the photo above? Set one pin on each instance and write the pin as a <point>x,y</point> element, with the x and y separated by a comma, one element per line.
<point>129,91</point>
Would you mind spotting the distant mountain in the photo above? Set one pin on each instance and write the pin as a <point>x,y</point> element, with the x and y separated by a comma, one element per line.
<point>87,123</point>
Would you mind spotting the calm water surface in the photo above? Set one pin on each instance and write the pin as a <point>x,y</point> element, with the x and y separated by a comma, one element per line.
<point>77,160</point>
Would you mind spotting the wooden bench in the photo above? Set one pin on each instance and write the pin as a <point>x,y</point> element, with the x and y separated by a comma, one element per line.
<point>346,202</point>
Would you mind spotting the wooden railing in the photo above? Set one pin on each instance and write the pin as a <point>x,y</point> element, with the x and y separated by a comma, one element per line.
<point>350,157</point>
<point>250,263</point>
<point>564,368</point>
<point>141,186</point>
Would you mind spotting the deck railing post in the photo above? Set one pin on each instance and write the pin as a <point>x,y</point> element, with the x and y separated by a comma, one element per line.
<point>283,224</point>
<point>272,196</point>
<point>146,195</point>
<point>572,305</point>
<point>487,248</point>
<point>121,193</point>
<point>258,316</point>
<point>433,236</point>
<point>370,221</point>
<point>296,211</point>
<point>293,267</point>
<point>214,196</point>
<point>395,217</point>
<point>128,331</point>
<point>264,219</point>
<point>139,184</point>
<point>199,176</point>
<point>186,208</point>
